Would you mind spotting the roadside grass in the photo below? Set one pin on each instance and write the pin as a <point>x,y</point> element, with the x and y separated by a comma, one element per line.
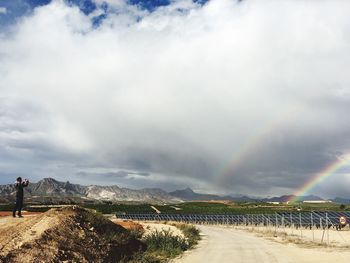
<point>6,207</point>
<point>161,246</point>
<point>191,233</point>
<point>164,245</point>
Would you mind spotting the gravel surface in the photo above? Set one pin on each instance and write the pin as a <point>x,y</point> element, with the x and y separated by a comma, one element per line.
<point>226,244</point>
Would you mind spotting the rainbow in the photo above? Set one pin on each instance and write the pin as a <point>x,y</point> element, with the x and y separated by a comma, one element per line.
<point>328,171</point>
<point>254,141</point>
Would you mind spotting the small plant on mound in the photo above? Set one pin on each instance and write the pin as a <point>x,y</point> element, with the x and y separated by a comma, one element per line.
<point>137,232</point>
<point>161,246</point>
<point>190,232</point>
<point>165,243</point>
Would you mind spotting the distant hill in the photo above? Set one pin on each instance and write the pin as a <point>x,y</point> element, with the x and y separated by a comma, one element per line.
<point>340,200</point>
<point>188,194</point>
<point>51,188</point>
<point>310,198</point>
<point>285,198</point>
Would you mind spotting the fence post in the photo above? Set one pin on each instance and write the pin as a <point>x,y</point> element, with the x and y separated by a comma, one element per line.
<point>327,229</point>
<point>301,231</point>
<point>312,227</point>
<point>252,221</point>
<point>276,222</point>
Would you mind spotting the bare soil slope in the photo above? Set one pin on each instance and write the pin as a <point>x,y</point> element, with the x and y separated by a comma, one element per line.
<point>69,234</point>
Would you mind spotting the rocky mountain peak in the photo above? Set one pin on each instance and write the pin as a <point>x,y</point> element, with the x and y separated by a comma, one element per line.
<point>49,187</point>
<point>188,190</point>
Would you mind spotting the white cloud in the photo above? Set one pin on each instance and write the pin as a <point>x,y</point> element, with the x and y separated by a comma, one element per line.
<point>178,92</point>
<point>3,10</point>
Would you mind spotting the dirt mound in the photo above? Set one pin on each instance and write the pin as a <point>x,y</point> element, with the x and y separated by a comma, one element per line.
<point>69,234</point>
<point>129,225</point>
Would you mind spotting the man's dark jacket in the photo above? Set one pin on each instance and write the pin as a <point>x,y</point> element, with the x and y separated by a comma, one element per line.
<point>19,189</point>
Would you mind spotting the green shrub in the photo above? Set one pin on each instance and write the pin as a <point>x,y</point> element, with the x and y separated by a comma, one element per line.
<point>37,209</point>
<point>145,257</point>
<point>190,232</point>
<point>137,232</point>
<point>121,208</point>
<point>165,243</point>
<point>6,207</point>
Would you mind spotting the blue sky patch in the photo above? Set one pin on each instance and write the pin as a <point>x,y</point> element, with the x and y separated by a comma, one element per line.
<point>18,8</point>
<point>86,6</point>
<point>35,3</point>
<point>149,5</point>
<point>97,20</point>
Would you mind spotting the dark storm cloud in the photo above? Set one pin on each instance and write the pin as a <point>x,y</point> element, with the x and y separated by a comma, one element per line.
<point>179,94</point>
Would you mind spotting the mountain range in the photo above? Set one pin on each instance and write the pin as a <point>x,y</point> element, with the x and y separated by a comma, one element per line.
<point>51,190</point>
<point>188,194</point>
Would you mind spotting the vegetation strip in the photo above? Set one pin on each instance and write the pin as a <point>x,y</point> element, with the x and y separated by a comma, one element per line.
<point>196,208</point>
<point>164,245</point>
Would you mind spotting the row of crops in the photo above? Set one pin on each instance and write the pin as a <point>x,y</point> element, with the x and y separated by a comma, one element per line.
<point>317,219</point>
<point>210,208</point>
<point>193,208</point>
<point>183,208</point>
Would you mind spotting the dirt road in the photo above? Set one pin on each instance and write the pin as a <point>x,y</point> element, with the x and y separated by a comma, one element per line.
<point>220,244</point>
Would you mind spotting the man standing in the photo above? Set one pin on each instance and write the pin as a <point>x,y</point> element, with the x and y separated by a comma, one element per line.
<point>19,195</point>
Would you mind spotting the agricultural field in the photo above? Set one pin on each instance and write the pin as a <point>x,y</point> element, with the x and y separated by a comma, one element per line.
<point>214,208</point>
<point>196,208</point>
<point>245,208</point>
<point>121,208</point>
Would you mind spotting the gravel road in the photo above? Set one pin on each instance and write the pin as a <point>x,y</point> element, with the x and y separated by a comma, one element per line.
<point>220,244</point>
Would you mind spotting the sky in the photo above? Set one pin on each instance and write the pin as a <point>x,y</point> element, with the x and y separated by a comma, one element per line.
<point>224,96</point>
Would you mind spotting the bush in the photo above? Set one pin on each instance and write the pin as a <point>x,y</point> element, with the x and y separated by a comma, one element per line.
<point>191,233</point>
<point>7,207</point>
<point>137,232</point>
<point>145,257</point>
<point>165,243</point>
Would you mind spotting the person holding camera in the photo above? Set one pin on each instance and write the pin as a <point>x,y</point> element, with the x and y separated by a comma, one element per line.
<point>19,195</point>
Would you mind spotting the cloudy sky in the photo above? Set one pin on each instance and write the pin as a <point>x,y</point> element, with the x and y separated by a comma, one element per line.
<point>225,96</point>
